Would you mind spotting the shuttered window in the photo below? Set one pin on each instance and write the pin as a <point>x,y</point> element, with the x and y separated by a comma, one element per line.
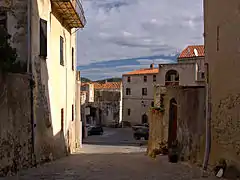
<point>61,51</point>
<point>73,59</point>
<point>62,119</point>
<point>43,38</point>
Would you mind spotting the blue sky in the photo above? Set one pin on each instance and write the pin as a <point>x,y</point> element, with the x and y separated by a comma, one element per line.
<point>124,35</point>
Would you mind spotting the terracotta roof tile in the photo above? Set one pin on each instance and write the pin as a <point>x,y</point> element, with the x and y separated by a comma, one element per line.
<point>143,71</point>
<point>188,52</point>
<point>107,85</point>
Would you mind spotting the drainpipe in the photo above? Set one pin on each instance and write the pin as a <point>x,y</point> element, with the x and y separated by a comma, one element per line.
<point>208,120</point>
<point>30,71</point>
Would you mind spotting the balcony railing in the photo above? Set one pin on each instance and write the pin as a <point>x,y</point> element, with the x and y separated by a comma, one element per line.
<point>70,11</point>
<point>171,83</point>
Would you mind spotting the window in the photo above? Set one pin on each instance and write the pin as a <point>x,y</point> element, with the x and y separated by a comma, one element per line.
<point>73,59</point>
<point>129,112</point>
<point>128,91</point>
<point>72,112</point>
<point>62,119</point>
<point>145,78</point>
<point>154,78</point>
<point>128,79</point>
<point>152,103</point>
<point>61,51</point>
<point>43,38</point>
<point>3,19</point>
<point>202,75</point>
<point>144,91</point>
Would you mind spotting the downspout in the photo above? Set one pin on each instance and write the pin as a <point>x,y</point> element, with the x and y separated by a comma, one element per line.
<point>30,71</point>
<point>208,120</point>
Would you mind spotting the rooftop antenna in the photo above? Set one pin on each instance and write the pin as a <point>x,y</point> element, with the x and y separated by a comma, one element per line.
<point>195,52</point>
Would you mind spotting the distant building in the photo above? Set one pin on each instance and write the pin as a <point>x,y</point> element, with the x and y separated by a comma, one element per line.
<point>102,103</point>
<point>138,95</point>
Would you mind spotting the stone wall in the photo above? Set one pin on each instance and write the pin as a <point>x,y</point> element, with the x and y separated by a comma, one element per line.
<point>15,125</point>
<point>156,131</point>
<point>190,121</point>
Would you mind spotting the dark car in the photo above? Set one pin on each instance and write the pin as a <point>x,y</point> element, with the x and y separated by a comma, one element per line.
<point>142,132</point>
<point>95,130</point>
<point>137,126</point>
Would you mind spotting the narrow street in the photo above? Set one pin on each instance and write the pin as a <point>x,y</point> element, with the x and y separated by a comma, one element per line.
<point>115,155</point>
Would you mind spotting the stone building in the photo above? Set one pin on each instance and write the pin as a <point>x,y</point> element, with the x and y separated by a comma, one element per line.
<point>138,95</point>
<point>222,60</point>
<point>180,96</point>
<point>105,108</point>
<point>43,33</point>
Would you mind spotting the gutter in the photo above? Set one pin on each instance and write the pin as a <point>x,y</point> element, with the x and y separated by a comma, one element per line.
<point>208,120</point>
<point>30,71</point>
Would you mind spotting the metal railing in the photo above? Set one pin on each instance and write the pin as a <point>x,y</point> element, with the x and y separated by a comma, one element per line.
<point>81,12</point>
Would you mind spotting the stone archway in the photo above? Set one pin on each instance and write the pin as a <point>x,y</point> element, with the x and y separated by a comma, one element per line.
<point>172,129</point>
<point>144,119</point>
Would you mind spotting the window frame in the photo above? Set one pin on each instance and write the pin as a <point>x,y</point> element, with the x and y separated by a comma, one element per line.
<point>61,51</point>
<point>129,112</point>
<point>43,38</point>
<point>128,91</point>
<point>154,78</point>
<point>143,90</point>
<point>73,58</point>
<point>145,78</point>
<point>128,79</point>
<point>62,119</point>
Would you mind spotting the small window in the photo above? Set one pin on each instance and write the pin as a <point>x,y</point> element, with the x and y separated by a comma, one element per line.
<point>154,78</point>
<point>61,51</point>
<point>72,112</point>
<point>128,79</point>
<point>202,75</point>
<point>3,19</point>
<point>129,112</point>
<point>62,119</point>
<point>73,63</point>
<point>128,91</point>
<point>43,38</point>
<point>145,78</point>
<point>144,91</point>
<point>152,103</point>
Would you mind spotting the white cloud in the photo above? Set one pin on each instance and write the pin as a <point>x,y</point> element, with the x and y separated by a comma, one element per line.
<point>118,29</point>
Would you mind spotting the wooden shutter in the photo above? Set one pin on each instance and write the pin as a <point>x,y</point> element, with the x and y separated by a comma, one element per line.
<point>43,38</point>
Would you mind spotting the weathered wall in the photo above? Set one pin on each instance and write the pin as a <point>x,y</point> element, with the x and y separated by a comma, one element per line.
<point>157,129</point>
<point>190,122</point>
<point>15,124</point>
<point>134,101</point>
<point>222,54</point>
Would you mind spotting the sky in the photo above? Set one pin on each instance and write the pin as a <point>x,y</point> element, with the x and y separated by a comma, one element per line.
<point>125,35</point>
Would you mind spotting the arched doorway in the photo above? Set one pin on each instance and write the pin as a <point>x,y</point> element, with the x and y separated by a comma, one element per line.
<point>172,129</point>
<point>144,119</point>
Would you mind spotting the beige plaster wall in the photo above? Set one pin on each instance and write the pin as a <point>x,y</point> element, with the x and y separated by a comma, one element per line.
<point>224,77</point>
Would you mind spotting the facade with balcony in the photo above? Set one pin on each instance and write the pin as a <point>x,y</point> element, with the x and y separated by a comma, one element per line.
<point>44,35</point>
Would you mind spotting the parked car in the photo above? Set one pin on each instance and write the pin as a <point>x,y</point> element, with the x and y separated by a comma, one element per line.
<point>95,130</point>
<point>137,126</point>
<point>142,132</point>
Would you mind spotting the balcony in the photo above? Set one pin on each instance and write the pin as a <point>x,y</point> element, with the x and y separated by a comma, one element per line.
<point>70,12</point>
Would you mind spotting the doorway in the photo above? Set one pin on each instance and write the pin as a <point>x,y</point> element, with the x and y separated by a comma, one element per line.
<point>172,129</point>
<point>144,119</point>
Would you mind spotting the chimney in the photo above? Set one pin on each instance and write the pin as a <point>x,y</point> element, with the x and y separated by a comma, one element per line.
<point>152,65</point>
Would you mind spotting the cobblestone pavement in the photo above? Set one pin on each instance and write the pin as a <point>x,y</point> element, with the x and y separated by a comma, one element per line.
<point>113,162</point>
